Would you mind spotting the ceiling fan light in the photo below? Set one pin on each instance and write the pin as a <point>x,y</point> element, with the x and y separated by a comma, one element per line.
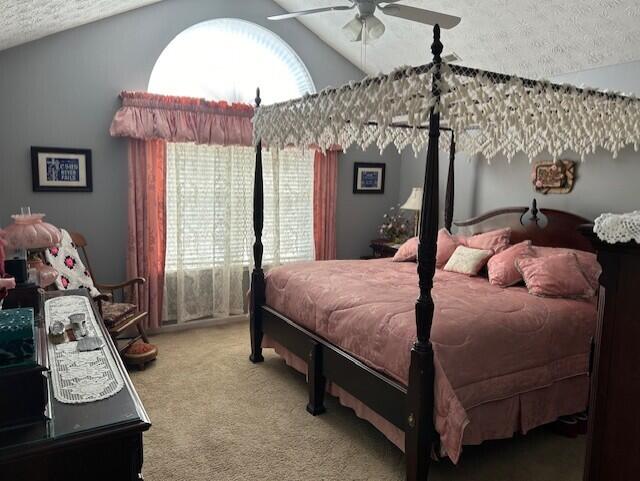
<point>353,30</point>
<point>375,28</point>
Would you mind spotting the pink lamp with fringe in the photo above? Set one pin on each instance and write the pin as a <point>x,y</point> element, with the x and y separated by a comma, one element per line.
<point>30,233</point>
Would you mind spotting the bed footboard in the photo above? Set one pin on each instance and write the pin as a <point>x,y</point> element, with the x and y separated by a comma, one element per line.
<point>327,362</point>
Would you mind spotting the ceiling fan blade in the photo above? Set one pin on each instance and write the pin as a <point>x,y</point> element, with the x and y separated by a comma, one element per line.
<point>421,15</point>
<point>286,16</point>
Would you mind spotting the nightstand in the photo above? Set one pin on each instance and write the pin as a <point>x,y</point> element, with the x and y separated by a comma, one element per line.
<point>382,248</point>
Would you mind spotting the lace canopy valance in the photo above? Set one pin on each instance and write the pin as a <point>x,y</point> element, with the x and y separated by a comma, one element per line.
<point>491,114</point>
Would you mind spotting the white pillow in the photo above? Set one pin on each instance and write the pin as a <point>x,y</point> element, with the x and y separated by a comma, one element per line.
<point>466,260</point>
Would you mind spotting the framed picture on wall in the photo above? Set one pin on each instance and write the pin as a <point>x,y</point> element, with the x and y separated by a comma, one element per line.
<point>55,169</point>
<point>368,178</point>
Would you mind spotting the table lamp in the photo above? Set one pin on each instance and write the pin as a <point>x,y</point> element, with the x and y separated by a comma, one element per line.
<point>414,202</point>
<point>29,233</point>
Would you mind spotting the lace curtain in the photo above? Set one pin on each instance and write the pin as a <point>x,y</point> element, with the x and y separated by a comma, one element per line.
<point>209,224</point>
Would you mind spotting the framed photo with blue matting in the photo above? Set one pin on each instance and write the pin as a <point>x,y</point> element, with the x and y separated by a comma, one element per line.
<point>368,178</point>
<point>54,169</point>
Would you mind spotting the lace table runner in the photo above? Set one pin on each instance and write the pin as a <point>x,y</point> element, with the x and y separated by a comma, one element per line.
<point>79,377</point>
<point>614,228</point>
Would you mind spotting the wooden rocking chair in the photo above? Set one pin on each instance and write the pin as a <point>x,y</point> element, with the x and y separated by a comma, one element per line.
<point>119,315</point>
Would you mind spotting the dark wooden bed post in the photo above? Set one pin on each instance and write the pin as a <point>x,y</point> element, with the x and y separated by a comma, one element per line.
<point>451,185</point>
<point>257,276</point>
<point>420,431</point>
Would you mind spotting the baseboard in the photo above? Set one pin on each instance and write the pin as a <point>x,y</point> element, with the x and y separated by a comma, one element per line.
<point>199,323</point>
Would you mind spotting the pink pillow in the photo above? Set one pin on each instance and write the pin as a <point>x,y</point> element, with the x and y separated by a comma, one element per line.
<point>407,251</point>
<point>558,275</point>
<point>495,240</point>
<point>466,260</point>
<point>447,244</point>
<point>501,267</point>
<point>588,261</point>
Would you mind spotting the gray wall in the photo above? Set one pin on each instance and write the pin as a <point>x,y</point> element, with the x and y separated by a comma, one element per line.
<point>359,216</point>
<point>63,91</point>
<point>412,175</point>
<point>603,184</point>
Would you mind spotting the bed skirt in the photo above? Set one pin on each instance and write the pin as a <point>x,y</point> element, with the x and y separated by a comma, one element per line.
<point>499,419</point>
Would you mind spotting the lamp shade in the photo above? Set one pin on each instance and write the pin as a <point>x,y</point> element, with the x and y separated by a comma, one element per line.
<point>375,28</point>
<point>30,232</point>
<point>353,30</point>
<point>371,27</point>
<point>414,202</point>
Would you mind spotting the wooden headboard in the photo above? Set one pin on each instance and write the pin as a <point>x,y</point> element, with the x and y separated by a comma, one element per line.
<point>544,227</point>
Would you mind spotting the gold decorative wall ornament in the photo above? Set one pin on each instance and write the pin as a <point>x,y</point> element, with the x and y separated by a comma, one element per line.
<point>550,177</point>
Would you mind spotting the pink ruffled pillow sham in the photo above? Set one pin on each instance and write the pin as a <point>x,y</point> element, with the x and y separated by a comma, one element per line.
<point>559,275</point>
<point>447,244</point>
<point>495,240</point>
<point>502,268</point>
<point>407,251</point>
<point>588,261</point>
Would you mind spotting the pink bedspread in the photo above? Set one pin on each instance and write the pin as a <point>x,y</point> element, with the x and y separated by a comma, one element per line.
<point>490,343</point>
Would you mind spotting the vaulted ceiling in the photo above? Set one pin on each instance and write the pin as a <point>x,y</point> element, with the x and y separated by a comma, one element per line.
<point>533,38</point>
<point>540,38</point>
<point>25,20</point>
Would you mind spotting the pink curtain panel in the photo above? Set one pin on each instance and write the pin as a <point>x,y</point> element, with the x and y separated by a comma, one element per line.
<point>325,182</point>
<point>147,222</point>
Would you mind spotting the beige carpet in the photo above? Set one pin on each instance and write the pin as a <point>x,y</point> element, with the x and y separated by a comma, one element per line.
<point>216,416</point>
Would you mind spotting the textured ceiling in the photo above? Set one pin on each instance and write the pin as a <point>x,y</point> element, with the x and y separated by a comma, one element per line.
<point>532,38</point>
<point>25,20</point>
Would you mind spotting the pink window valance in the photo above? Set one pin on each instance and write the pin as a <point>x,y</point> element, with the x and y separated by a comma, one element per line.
<point>182,119</point>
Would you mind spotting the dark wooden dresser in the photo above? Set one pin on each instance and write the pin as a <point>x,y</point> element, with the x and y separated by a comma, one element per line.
<point>97,441</point>
<point>613,449</point>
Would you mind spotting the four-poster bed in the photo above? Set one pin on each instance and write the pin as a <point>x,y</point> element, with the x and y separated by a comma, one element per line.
<point>484,113</point>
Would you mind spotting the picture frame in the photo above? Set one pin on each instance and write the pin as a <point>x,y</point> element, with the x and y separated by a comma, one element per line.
<point>368,177</point>
<point>56,169</point>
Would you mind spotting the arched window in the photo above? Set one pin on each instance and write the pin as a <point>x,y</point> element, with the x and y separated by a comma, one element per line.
<point>226,59</point>
<point>209,188</point>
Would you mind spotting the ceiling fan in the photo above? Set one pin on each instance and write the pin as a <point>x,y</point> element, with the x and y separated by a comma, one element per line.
<point>366,26</point>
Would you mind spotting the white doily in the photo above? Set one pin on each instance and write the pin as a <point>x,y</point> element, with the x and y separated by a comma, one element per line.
<point>80,377</point>
<point>614,228</point>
